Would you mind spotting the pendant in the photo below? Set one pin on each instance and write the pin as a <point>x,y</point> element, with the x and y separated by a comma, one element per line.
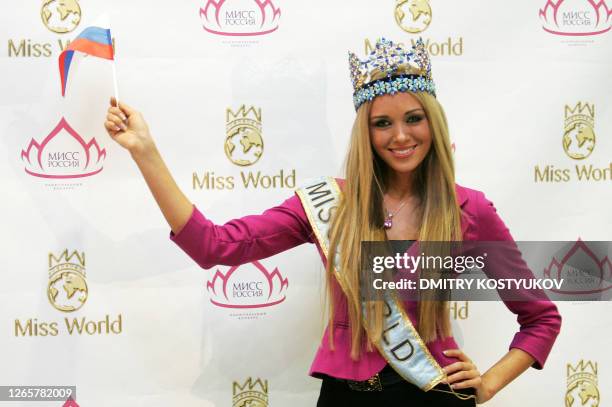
<point>388,221</point>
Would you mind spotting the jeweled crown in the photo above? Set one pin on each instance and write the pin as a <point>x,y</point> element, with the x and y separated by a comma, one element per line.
<point>406,71</point>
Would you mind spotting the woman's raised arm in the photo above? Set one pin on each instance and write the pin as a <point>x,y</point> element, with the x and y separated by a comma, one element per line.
<point>238,241</point>
<point>128,128</point>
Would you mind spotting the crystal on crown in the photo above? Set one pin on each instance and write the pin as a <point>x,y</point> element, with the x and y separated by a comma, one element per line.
<point>405,70</point>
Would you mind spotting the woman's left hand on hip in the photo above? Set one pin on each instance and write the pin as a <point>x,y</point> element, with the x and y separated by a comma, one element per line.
<point>464,374</point>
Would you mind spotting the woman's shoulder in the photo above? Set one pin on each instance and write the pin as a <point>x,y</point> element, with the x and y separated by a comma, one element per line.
<point>472,198</point>
<point>468,196</point>
<point>471,201</point>
<point>481,211</point>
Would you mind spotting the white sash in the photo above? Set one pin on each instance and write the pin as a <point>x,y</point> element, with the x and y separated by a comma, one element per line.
<point>401,344</point>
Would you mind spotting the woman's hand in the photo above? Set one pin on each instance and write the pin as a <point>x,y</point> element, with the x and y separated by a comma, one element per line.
<point>128,128</point>
<point>464,374</point>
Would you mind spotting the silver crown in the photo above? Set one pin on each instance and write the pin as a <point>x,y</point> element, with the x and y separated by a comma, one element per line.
<point>406,70</point>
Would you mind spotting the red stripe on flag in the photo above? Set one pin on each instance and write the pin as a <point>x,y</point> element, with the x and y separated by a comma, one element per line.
<point>92,48</point>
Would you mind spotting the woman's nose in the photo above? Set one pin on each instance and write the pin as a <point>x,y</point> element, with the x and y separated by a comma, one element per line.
<point>401,134</point>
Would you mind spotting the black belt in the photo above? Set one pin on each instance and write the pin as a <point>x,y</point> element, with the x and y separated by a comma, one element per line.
<point>380,380</point>
<point>388,377</point>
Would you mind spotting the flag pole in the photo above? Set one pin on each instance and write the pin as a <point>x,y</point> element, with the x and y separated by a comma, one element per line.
<point>115,81</point>
<point>107,17</point>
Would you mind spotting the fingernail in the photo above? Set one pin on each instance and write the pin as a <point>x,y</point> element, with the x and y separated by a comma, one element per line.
<point>123,117</point>
<point>117,128</point>
<point>123,126</point>
<point>444,351</point>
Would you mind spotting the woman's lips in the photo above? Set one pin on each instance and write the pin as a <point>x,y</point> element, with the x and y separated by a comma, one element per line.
<point>403,152</point>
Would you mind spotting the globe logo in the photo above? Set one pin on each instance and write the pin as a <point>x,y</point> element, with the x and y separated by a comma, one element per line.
<point>243,142</point>
<point>579,141</point>
<point>67,291</point>
<point>579,137</point>
<point>244,146</point>
<point>413,16</point>
<point>61,16</point>
<point>582,393</point>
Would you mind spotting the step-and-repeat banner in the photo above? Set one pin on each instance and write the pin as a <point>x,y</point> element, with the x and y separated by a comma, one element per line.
<point>246,99</point>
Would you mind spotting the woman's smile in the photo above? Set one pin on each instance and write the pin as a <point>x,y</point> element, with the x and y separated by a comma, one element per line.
<point>404,151</point>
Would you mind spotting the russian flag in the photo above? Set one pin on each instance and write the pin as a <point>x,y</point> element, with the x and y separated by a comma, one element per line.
<point>95,41</point>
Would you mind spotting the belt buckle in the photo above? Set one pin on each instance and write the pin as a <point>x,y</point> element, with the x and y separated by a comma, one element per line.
<point>372,384</point>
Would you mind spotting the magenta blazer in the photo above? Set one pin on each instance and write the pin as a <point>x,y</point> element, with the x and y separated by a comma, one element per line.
<point>285,226</point>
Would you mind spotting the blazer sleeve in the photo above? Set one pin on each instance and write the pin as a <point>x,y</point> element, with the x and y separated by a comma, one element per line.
<point>539,320</point>
<point>244,239</point>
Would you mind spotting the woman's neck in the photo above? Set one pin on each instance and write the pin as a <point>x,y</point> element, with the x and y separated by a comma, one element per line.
<point>400,186</point>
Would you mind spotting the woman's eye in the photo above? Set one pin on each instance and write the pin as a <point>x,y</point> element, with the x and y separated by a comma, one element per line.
<point>414,119</point>
<point>381,123</point>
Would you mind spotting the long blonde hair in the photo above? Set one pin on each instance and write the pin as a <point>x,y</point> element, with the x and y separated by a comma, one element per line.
<point>359,217</point>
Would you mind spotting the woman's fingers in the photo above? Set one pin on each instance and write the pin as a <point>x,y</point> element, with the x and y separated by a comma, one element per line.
<point>475,382</point>
<point>111,127</point>
<point>117,112</point>
<point>117,120</point>
<point>457,366</point>
<point>462,375</point>
<point>127,109</point>
<point>122,106</point>
<point>458,353</point>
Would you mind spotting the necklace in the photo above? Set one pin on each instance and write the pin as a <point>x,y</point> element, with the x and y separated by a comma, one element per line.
<point>389,218</point>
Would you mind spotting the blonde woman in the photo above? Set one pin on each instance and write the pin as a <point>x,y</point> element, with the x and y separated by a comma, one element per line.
<point>399,185</point>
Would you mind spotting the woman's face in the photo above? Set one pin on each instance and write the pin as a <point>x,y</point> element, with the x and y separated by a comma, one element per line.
<point>399,131</point>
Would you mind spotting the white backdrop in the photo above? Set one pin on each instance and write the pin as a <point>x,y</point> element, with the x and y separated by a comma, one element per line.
<point>505,87</point>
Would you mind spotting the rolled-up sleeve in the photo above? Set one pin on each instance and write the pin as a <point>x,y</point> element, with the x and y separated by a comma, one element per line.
<point>539,320</point>
<point>244,239</point>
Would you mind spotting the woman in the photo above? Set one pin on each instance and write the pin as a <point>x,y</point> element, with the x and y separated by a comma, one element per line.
<point>399,185</point>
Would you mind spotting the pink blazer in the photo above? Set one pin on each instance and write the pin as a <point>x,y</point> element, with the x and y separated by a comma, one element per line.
<point>285,226</point>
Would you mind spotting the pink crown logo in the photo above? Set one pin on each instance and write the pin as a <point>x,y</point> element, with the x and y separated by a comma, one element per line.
<point>240,18</point>
<point>63,154</point>
<point>247,286</point>
<point>576,17</point>
<point>598,273</point>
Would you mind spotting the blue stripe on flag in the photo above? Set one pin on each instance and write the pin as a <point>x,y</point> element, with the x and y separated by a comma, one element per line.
<point>97,34</point>
<point>67,62</point>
